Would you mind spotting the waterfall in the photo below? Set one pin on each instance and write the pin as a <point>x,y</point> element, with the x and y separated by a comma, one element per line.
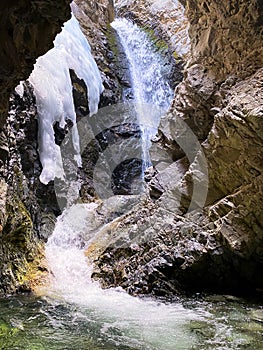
<point>147,77</point>
<point>120,318</point>
<point>53,90</point>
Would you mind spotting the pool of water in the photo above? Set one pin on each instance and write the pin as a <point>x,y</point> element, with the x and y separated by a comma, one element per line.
<point>28,322</point>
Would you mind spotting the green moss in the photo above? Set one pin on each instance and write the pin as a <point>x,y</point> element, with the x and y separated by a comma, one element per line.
<point>177,58</point>
<point>160,44</point>
<point>111,37</point>
<point>7,330</point>
<point>34,273</point>
<point>19,225</point>
<point>4,329</point>
<point>23,253</point>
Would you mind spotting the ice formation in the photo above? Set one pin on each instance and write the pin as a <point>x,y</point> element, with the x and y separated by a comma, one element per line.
<point>53,90</point>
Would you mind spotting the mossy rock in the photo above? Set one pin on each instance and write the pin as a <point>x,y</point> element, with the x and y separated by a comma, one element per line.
<point>19,227</point>
<point>112,40</point>
<point>160,44</point>
<point>6,330</point>
<point>257,315</point>
<point>22,255</point>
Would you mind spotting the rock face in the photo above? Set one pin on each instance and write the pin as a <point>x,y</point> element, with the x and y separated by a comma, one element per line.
<point>221,36</point>
<point>164,247</point>
<point>164,20</point>
<point>95,18</point>
<point>22,41</point>
<point>29,208</point>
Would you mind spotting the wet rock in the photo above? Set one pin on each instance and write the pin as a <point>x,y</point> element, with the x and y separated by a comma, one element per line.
<point>257,315</point>
<point>23,198</point>
<point>164,20</point>
<point>218,248</point>
<point>95,18</point>
<point>166,27</point>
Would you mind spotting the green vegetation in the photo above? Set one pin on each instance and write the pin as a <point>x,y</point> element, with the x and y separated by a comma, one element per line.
<point>112,40</point>
<point>160,44</point>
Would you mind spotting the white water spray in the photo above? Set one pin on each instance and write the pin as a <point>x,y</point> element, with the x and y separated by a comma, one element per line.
<point>122,319</point>
<point>147,76</point>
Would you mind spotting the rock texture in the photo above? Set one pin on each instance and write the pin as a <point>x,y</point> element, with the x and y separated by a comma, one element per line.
<point>221,36</point>
<point>28,207</point>
<point>27,30</point>
<point>162,249</point>
<point>95,18</point>
<point>165,20</point>
<point>22,26</point>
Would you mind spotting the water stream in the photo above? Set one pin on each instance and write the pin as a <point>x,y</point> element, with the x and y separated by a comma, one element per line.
<point>121,318</point>
<point>149,85</point>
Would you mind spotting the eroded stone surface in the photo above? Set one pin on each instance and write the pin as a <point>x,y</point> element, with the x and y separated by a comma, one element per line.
<point>163,19</point>
<point>220,99</point>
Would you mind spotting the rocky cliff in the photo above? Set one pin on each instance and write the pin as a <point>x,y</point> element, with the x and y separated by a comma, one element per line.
<point>160,246</point>
<point>29,208</point>
<point>165,248</point>
<point>28,29</point>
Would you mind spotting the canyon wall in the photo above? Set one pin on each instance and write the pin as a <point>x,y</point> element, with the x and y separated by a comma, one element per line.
<point>27,31</point>
<point>217,247</point>
<point>159,246</point>
<point>29,208</point>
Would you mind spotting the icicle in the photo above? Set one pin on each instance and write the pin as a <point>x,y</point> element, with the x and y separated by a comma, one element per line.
<point>53,90</point>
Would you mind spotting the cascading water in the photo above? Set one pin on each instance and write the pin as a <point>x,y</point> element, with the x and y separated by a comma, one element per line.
<point>120,318</point>
<point>92,318</point>
<point>147,77</point>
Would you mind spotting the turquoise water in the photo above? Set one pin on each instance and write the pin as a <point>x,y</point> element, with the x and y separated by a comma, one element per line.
<point>28,323</point>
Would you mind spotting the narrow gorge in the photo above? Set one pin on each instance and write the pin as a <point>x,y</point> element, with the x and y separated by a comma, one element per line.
<point>131,175</point>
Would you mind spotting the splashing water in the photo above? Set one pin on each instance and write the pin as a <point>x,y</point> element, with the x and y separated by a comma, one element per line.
<point>140,324</point>
<point>116,320</point>
<point>147,76</point>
